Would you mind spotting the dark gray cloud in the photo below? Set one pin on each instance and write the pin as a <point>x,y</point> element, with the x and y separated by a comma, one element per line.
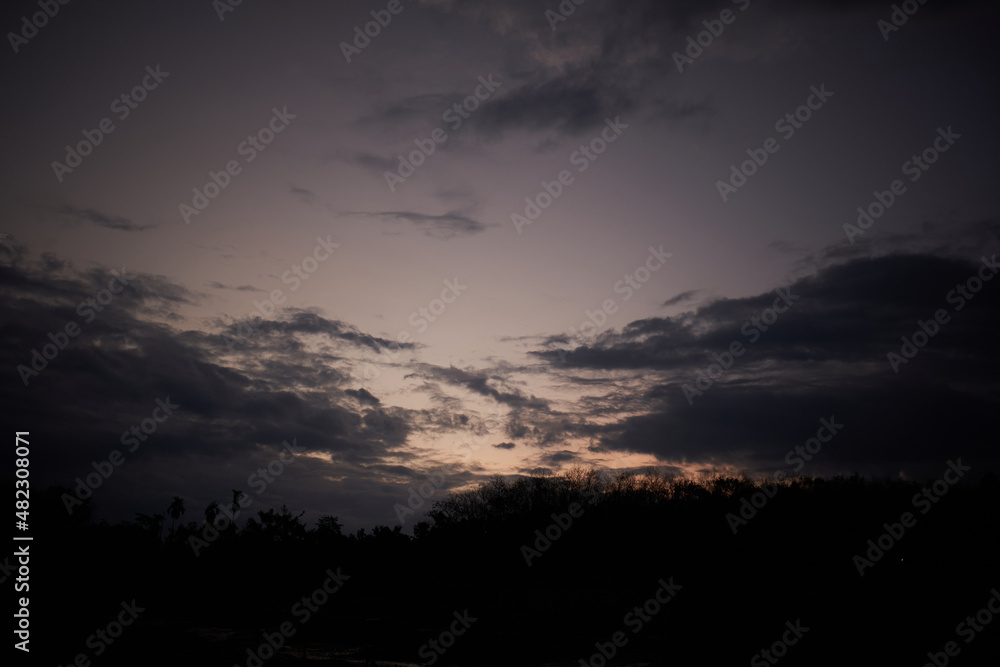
<point>615,58</point>
<point>304,195</point>
<point>606,60</point>
<point>225,251</point>
<point>683,297</point>
<point>560,457</point>
<point>569,104</point>
<point>423,107</point>
<point>505,445</point>
<point>102,220</point>
<point>484,384</point>
<point>363,396</point>
<point>301,321</point>
<point>847,312</point>
<point>444,226</point>
<point>237,404</point>
<point>376,164</point>
<point>239,288</point>
<point>827,356</point>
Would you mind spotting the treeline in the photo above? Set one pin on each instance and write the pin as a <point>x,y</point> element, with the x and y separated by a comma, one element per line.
<point>551,568</point>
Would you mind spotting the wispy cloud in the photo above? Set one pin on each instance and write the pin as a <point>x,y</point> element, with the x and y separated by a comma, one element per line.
<point>240,288</point>
<point>444,226</point>
<point>304,195</point>
<point>102,220</point>
<point>683,297</point>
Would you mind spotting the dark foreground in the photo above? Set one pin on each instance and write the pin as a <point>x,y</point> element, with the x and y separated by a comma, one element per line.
<point>642,569</point>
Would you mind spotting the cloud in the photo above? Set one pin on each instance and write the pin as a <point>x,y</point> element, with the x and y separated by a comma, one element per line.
<point>221,250</point>
<point>610,59</point>
<point>569,104</point>
<point>102,220</point>
<point>291,379</point>
<point>376,164</point>
<point>483,384</point>
<point>505,445</point>
<point>826,356</point>
<point>406,109</point>
<point>363,396</point>
<point>241,288</point>
<point>296,321</point>
<point>560,457</point>
<point>304,195</point>
<point>446,226</point>
<point>831,317</point>
<point>683,297</point>
<point>604,61</point>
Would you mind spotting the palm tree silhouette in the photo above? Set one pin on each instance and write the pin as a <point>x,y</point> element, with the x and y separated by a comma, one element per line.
<point>175,511</point>
<point>236,508</point>
<point>211,512</point>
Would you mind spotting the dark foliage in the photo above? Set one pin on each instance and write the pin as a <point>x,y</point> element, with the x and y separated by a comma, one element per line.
<point>210,594</point>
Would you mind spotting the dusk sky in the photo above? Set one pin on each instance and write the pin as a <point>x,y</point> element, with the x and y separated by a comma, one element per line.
<point>429,317</point>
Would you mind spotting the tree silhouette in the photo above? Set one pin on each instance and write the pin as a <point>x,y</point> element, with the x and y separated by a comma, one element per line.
<point>275,526</point>
<point>152,525</point>
<point>175,511</point>
<point>329,527</point>
<point>549,558</point>
<point>212,511</point>
<point>236,509</point>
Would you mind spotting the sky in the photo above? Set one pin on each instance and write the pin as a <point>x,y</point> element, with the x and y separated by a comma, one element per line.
<point>493,238</point>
